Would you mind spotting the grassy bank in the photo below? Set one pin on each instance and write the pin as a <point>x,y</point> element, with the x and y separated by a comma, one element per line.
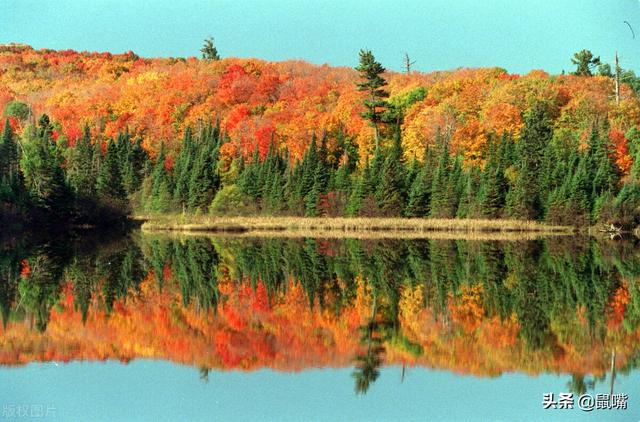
<point>351,227</point>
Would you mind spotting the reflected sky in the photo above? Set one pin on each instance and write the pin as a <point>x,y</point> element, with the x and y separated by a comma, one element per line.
<point>157,390</point>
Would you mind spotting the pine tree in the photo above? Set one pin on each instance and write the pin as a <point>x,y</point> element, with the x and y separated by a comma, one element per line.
<point>418,204</point>
<point>439,205</point>
<point>182,169</point>
<point>41,164</point>
<point>80,171</point>
<point>8,154</point>
<point>469,182</point>
<point>109,180</point>
<point>580,191</point>
<point>523,200</point>
<point>161,186</point>
<point>204,181</point>
<point>360,191</point>
<point>209,50</point>
<point>309,164</point>
<point>493,185</point>
<point>391,191</point>
<point>372,82</point>
<point>601,169</point>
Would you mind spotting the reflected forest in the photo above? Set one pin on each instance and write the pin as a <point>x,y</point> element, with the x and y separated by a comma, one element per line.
<point>556,305</point>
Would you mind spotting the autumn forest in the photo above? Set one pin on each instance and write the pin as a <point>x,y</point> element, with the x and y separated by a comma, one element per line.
<point>90,138</point>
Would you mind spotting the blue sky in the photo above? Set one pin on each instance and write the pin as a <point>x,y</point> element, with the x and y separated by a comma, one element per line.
<point>437,34</point>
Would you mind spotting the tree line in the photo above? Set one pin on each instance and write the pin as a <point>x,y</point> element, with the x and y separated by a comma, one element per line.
<point>537,176</point>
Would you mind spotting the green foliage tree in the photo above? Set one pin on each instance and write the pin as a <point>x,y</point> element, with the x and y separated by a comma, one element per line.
<point>209,50</point>
<point>81,172</point>
<point>109,180</point>
<point>41,164</point>
<point>372,83</point>
<point>584,61</point>
<point>17,110</point>
<point>523,200</point>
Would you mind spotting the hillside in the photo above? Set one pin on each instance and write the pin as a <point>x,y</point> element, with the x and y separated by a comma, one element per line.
<point>291,138</point>
<point>255,100</point>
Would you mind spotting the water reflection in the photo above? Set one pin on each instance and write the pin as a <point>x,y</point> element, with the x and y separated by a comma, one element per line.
<point>567,306</point>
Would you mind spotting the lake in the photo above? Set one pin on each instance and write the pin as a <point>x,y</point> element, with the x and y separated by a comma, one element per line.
<point>165,327</point>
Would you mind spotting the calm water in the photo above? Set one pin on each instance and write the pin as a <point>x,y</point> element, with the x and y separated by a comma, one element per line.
<point>194,328</point>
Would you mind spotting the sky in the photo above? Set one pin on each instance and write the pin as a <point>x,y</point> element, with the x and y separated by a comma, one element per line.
<point>437,34</point>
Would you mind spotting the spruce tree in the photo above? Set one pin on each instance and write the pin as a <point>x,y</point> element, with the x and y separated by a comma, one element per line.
<point>81,173</point>
<point>360,191</point>
<point>41,164</point>
<point>391,191</point>
<point>420,191</point>
<point>601,169</point>
<point>580,191</point>
<point>182,169</point>
<point>109,181</point>
<point>523,200</point>
<point>204,181</point>
<point>11,183</point>
<point>161,185</point>
<point>440,199</point>
<point>493,185</point>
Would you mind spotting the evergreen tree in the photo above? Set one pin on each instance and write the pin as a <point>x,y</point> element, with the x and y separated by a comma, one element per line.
<point>80,170</point>
<point>584,62</point>
<point>182,169</point>
<point>41,164</point>
<point>161,185</point>
<point>440,205</point>
<point>8,154</point>
<point>523,200</point>
<point>372,82</point>
<point>360,191</point>
<point>601,169</point>
<point>109,180</point>
<point>209,50</point>
<point>580,192</point>
<point>391,191</point>
<point>204,180</point>
<point>469,182</point>
<point>11,183</point>
<point>493,185</point>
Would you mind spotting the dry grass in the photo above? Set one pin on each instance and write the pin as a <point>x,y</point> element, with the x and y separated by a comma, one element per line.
<point>365,235</point>
<point>350,227</point>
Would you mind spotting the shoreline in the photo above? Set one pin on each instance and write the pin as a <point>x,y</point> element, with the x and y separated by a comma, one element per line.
<point>348,227</point>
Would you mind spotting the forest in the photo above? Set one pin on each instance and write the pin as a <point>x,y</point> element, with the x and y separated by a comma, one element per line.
<point>482,308</point>
<point>90,138</point>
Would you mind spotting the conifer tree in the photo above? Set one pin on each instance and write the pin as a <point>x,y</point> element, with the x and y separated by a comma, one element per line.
<point>204,181</point>
<point>439,199</point>
<point>41,164</point>
<point>161,185</point>
<point>469,182</point>
<point>391,192</point>
<point>11,183</point>
<point>182,169</point>
<point>372,83</point>
<point>523,200</point>
<point>493,185</point>
<point>109,181</point>
<point>80,170</point>
<point>360,191</point>
<point>420,192</point>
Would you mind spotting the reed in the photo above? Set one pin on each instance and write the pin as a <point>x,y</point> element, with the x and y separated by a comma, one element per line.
<point>396,227</point>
